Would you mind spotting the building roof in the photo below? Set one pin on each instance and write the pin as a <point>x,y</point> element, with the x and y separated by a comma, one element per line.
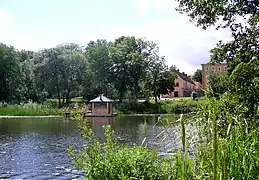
<point>185,77</point>
<point>101,98</point>
<point>209,63</point>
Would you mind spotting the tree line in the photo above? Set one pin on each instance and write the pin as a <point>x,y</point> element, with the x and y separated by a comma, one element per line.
<point>129,68</point>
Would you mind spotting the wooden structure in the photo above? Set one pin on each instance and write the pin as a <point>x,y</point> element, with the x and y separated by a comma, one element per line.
<point>101,106</point>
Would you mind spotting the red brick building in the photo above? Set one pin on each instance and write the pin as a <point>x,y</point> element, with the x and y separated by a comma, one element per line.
<point>184,85</point>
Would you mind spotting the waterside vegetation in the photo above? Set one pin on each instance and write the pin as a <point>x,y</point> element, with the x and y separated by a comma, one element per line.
<point>225,147</point>
<point>29,109</point>
<point>181,106</point>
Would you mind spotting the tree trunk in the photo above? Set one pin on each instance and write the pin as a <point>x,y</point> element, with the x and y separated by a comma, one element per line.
<point>155,97</point>
<point>67,96</point>
<point>59,100</point>
<point>123,86</point>
<point>136,91</point>
<point>57,84</point>
<point>121,94</point>
<point>155,88</point>
<point>3,88</point>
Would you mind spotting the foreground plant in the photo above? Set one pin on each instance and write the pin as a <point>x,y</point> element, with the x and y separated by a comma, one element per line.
<point>112,160</point>
<point>228,143</point>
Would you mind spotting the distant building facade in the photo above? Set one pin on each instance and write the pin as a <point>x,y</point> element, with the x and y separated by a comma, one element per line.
<point>207,68</point>
<point>184,85</point>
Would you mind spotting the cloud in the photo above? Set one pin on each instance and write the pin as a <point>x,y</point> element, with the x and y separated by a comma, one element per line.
<point>6,28</point>
<point>183,44</point>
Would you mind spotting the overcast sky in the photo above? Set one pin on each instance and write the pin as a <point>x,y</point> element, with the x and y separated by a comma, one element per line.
<point>38,24</point>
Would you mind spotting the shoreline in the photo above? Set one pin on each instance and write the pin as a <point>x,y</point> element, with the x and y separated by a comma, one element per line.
<point>58,116</point>
<point>16,117</point>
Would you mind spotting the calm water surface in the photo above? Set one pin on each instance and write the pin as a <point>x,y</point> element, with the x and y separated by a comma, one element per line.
<point>37,148</point>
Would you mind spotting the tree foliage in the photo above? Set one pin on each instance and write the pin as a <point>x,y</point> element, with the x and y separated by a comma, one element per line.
<point>246,84</point>
<point>218,82</point>
<point>161,79</point>
<point>123,69</point>
<point>10,74</point>
<point>197,76</point>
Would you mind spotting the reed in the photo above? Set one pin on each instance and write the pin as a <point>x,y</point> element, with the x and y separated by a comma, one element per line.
<point>29,109</point>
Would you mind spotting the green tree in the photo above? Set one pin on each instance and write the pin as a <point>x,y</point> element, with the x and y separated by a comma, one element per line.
<point>160,79</point>
<point>73,65</point>
<point>100,64</point>
<point>246,83</point>
<point>219,82</point>
<point>130,57</point>
<point>29,79</point>
<point>61,71</point>
<point>11,87</point>
<point>197,76</point>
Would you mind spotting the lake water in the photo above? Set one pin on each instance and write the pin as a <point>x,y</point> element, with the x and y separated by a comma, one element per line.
<point>37,148</point>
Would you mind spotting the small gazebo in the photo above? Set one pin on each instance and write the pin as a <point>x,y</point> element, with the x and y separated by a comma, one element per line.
<point>102,106</point>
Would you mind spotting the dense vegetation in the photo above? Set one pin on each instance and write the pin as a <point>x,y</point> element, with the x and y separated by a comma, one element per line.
<point>123,69</point>
<point>180,106</point>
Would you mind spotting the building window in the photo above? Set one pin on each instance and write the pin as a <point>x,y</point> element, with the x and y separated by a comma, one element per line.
<point>225,68</point>
<point>219,68</point>
<point>207,69</point>
<point>177,84</point>
<point>212,68</point>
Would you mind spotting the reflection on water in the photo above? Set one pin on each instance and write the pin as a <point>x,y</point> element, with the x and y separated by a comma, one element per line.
<point>37,148</point>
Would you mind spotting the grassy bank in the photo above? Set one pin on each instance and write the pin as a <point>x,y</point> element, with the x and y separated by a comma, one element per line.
<point>181,106</point>
<point>29,109</point>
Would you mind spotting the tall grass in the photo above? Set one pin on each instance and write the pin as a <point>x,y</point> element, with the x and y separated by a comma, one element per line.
<point>29,109</point>
<point>225,147</point>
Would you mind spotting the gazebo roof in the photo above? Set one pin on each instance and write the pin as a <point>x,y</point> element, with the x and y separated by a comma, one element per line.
<point>101,98</point>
